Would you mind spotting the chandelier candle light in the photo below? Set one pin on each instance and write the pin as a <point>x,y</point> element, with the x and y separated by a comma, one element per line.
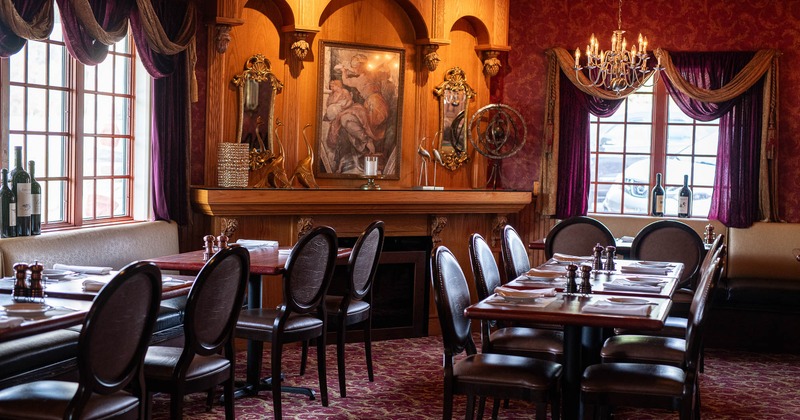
<point>616,69</point>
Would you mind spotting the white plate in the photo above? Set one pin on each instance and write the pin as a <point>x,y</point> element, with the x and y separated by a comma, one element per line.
<point>646,280</point>
<point>27,308</point>
<point>540,278</point>
<point>627,301</point>
<point>52,273</point>
<point>512,299</point>
<point>657,264</point>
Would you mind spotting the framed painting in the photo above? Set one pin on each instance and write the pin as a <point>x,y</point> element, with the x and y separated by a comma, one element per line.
<point>359,112</point>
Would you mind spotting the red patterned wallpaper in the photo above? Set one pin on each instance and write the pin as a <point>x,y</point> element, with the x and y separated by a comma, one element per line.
<point>676,25</point>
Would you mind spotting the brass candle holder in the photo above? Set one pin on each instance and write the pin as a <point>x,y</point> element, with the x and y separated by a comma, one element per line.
<point>370,172</point>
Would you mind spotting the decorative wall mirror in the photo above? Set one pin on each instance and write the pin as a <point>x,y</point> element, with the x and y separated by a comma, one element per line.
<point>257,90</point>
<point>454,95</point>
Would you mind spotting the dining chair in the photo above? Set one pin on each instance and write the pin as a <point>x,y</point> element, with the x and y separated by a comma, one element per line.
<point>207,357</point>
<point>514,254</point>
<point>653,385</point>
<point>354,307</point>
<point>483,374</point>
<point>673,241</point>
<point>111,349</point>
<point>496,338</point>
<point>577,235</point>
<point>300,317</point>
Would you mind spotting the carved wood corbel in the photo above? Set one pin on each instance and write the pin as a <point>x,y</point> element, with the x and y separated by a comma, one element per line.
<point>431,57</point>
<point>498,223</point>
<point>300,46</point>
<point>491,64</point>
<point>438,223</point>
<point>229,226</point>
<point>304,225</point>
<point>222,36</point>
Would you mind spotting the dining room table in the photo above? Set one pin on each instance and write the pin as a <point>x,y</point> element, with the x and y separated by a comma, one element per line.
<point>584,316</point>
<point>264,261</point>
<point>39,316</point>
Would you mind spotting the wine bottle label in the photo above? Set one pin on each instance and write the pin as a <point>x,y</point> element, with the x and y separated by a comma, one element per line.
<point>12,215</point>
<point>659,204</point>
<point>36,204</point>
<point>24,200</point>
<point>683,205</point>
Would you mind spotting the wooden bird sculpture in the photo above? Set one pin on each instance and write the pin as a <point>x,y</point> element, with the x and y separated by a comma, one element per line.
<point>423,167</point>
<point>275,174</point>
<point>304,172</point>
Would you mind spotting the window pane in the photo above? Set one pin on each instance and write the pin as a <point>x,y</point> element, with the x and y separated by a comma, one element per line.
<point>16,108</point>
<point>37,109</point>
<point>122,75</point>
<point>55,195</point>
<point>121,116</point>
<point>37,60</point>
<point>704,171</point>
<point>679,139</point>
<point>89,73</point>
<point>35,147</point>
<point>612,137</point>
<point>639,138</point>
<point>89,117</point>
<point>57,157</point>
<point>88,199</point>
<point>103,198</point>
<point>121,157</point>
<point>105,113</point>
<point>104,160</point>
<point>57,111</point>
<point>58,66</point>
<point>707,140</point>
<point>16,67</point>
<point>88,156</point>
<point>121,194</point>
<point>640,108</point>
<point>105,75</point>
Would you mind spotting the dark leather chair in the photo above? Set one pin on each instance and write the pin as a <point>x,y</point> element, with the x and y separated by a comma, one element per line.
<point>545,344</point>
<point>483,374</point>
<point>514,254</point>
<point>654,385</point>
<point>301,316</point>
<point>354,307</point>
<point>674,241</point>
<point>111,349</point>
<point>577,236</point>
<point>207,357</point>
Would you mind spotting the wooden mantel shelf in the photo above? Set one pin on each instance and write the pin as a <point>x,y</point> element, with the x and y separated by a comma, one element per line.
<point>256,202</point>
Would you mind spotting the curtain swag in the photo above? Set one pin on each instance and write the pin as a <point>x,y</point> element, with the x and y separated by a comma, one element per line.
<point>762,66</point>
<point>37,29</point>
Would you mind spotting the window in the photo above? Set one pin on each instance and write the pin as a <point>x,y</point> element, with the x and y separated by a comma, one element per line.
<point>77,123</point>
<point>647,135</point>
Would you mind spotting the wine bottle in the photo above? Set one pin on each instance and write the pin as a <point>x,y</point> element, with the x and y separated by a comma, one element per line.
<point>685,199</point>
<point>657,208</point>
<point>8,206</point>
<point>21,187</point>
<point>36,201</point>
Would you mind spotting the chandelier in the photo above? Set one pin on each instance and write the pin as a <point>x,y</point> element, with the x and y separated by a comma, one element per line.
<point>616,69</point>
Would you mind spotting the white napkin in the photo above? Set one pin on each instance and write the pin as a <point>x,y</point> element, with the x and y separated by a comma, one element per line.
<point>631,286</point>
<point>95,284</point>
<point>626,239</point>
<point>526,293</point>
<point>546,273</point>
<point>540,283</point>
<point>570,258</point>
<point>255,243</point>
<point>610,308</point>
<point>638,269</point>
<point>86,269</point>
<point>10,321</point>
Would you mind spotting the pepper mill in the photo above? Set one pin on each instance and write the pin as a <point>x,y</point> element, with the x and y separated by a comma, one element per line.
<point>208,245</point>
<point>586,286</point>
<point>36,288</point>
<point>572,286</point>
<point>611,251</point>
<point>708,235</point>
<point>222,241</point>
<point>597,260</point>
<point>20,287</point>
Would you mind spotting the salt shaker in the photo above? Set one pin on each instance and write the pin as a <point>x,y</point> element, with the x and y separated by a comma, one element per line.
<point>611,251</point>
<point>222,241</point>
<point>36,288</point>
<point>708,235</point>
<point>572,286</point>
<point>586,286</point>
<point>597,260</point>
<point>20,287</point>
<point>208,245</point>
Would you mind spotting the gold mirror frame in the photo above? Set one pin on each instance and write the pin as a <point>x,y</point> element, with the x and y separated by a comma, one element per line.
<point>257,87</point>
<point>454,95</point>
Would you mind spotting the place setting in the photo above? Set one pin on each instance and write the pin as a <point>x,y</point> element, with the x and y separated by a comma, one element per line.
<point>648,267</point>
<point>636,284</point>
<point>621,306</point>
<point>528,297</point>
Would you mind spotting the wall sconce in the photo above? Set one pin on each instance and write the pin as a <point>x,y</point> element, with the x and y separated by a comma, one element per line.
<point>431,58</point>
<point>491,64</point>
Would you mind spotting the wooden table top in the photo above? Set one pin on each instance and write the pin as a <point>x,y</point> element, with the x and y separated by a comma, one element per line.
<point>568,310</point>
<point>65,313</point>
<point>72,287</point>
<point>263,261</point>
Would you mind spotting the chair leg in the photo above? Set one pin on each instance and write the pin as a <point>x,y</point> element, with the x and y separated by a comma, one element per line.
<point>447,402</point>
<point>340,338</point>
<point>176,405</point>
<point>228,392</point>
<point>496,408</point>
<point>209,399</point>
<point>277,350</point>
<point>541,411</point>
<point>481,406</point>
<point>303,358</point>
<point>368,347</point>
<point>470,407</point>
<point>323,375</point>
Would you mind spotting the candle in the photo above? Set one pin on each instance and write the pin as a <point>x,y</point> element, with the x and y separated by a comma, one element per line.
<point>370,165</point>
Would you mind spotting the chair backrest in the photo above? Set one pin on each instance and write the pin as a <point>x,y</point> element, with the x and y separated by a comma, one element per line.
<point>577,236</point>
<point>309,269</point>
<point>674,241</point>
<point>364,259</point>
<point>484,266</point>
<point>214,304</point>
<point>711,253</point>
<point>697,314</point>
<point>451,294</point>
<point>116,332</point>
<point>514,253</point>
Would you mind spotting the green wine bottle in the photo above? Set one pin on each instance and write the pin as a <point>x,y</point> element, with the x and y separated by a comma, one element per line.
<point>8,207</point>
<point>36,201</point>
<point>21,187</point>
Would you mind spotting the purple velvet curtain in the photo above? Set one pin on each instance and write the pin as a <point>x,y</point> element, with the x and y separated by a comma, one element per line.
<point>573,146</point>
<point>108,13</point>
<point>10,43</point>
<point>735,198</point>
<point>170,130</point>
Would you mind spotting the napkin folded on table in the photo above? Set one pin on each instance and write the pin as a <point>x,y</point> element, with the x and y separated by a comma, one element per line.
<point>638,269</point>
<point>10,321</point>
<point>256,243</point>
<point>544,272</point>
<point>611,308</point>
<point>528,293</point>
<point>95,284</point>
<point>86,269</point>
<point>632,286</point>
<point>570,258</point>
<point>626,239</point>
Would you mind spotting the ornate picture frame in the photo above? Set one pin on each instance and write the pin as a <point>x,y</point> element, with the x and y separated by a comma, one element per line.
<point>359,109</point>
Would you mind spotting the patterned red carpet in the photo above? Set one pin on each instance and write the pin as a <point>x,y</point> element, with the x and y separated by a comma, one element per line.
<point>408,385</point>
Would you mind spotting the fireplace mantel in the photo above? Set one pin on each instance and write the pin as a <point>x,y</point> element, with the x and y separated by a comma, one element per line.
<point>227,202</point>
